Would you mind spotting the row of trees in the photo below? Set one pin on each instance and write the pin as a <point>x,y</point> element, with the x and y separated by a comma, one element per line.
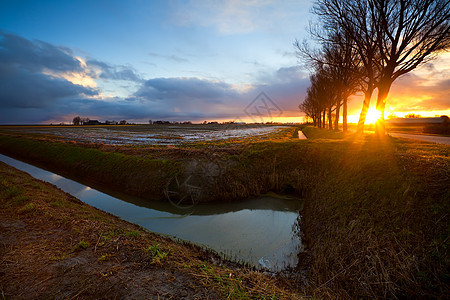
<point>86,121</point>
<point>79,120</point>
<point>365,45</point>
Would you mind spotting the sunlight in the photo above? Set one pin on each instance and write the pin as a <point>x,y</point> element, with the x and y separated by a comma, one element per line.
<point>372,116</point>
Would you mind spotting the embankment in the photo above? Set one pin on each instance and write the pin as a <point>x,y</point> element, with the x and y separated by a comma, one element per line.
<point>221,172</point>
<point>144,177</point>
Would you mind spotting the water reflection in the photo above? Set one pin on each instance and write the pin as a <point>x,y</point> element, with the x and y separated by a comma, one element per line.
<point>258,231</point>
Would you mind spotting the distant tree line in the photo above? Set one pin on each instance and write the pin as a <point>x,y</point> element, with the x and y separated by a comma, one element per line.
<point>79,120</point>
<point>86,121</point>
<point>365,45</point>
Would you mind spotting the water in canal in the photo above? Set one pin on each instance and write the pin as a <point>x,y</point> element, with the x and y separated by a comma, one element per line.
<point>262,232</point>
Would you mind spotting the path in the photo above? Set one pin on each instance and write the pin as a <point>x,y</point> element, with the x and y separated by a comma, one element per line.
<point>301,135</point>
<point>426,138</point>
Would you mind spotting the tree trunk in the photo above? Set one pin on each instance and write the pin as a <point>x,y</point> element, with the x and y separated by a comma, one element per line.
<point>383,92</point>
<point>365,108</point>
<point>330,121</point>
<point>336,120</point>
<point>323,122</point>
<point>344,116</point>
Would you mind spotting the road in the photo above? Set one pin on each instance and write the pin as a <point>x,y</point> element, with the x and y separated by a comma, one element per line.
<point>426,138</point>
<point>421,137</point>
<point>301,135</point>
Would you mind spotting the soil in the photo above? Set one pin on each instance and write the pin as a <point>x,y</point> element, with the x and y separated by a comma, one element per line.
<point>52,245</point>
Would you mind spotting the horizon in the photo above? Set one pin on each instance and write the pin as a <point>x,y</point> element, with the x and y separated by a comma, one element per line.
<point>369,122</point>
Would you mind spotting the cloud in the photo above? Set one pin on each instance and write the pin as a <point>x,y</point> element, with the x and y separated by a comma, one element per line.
<point>415,92</point>
<point>36,56</point>
<point>171,57</point>
<point>36,88</point>
<point>286,87</point>
<point>187,89</point>
<point>194,97</point>
<point>113,72</point>
<point>27,71</point>
<point>237,17</point>
<point>22,88</point>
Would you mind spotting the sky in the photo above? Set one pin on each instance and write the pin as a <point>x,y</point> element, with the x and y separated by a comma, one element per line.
<point>194,60</point>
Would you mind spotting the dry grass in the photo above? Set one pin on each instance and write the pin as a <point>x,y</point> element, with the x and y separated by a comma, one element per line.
<point>377,222</point>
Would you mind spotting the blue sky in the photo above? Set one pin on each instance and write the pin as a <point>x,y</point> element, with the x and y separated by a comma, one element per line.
<point>174,60</point>
<point>233,49</point>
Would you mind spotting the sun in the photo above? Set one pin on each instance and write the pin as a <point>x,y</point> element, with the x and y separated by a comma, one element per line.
<point>372,116</point>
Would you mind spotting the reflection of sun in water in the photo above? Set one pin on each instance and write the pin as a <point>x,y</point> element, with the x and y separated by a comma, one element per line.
<point>372,116</point>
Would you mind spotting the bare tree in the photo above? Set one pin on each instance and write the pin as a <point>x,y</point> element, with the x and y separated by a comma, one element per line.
<point>84,121</point>
<point>320,101</point>
<point>76,120</point>
<point>392,37</point>
<point>354,20</point>
<point>410,33</point>
<point>340,59</point>
<point>337,57</point>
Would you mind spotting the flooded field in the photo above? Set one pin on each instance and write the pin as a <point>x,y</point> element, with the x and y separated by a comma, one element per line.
<point>150,134</point>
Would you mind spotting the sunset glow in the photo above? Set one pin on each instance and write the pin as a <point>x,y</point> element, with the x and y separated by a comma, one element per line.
<point>373,115</point>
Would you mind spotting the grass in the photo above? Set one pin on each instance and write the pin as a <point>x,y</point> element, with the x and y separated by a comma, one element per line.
<point>427,129</point>
<point>375,218</point>
<point>29,207</point>
<point>376,221</point>
<point>134,233</point>
<point>158,255</point>
<point>80,246</point>
<point>143,173</point>
<point>142,177</point>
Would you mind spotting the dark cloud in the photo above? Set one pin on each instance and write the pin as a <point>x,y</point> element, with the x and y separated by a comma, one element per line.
<point>287,88</point>
<point>23,85</point>
<point>185,89</point>
<point>36,56</point>
<point>22,88</point>
<point>289,74</point>
<point>191,97</point>
<point>115,72</point>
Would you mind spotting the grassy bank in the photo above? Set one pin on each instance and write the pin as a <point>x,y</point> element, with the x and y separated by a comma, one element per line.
<point>376,214</point>
<point>142,176</point>
<point>376,222</point>
<point>55,246</point>
<point>217,167</point>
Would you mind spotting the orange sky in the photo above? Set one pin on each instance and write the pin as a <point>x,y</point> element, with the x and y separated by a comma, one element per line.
<point>424,91</point>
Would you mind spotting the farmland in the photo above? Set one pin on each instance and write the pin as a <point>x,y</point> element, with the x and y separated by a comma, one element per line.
<point>173,134</point>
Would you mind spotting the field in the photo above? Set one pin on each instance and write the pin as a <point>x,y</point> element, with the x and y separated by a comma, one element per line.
<point>402,128</point>
<point>147,134</point>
